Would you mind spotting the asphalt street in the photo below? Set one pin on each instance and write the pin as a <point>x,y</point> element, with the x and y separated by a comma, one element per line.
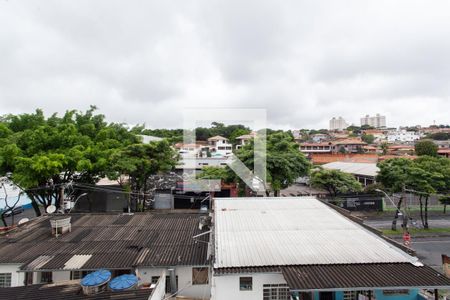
<point>385,223</point>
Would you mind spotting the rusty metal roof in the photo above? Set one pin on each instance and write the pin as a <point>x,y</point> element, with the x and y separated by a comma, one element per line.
<point>363,276</point>
<point>113,241</point>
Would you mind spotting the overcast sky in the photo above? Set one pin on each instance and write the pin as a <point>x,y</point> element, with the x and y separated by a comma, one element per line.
<point>304,61</point>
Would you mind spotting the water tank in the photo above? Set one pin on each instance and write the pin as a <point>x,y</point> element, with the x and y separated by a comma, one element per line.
<point>123,282</point>
<point>95,282</point>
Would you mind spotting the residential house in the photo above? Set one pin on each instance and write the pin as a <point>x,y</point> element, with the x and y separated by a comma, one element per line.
<point>189,150</point>
<point>365,173</point>
<point>444,152</point>
<point>244,139</point>
<point>150,245</point>
<point>379,135</point>
<point>403,136</point>
<point>309,148</point>
<point>319,137</point>
<point>443,144</point>
<point>301,248</point>
<point>349,145</point>
<point>220,146</point>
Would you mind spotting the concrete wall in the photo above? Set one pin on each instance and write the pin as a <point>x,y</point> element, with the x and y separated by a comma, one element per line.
<point>185,286</point>
<point>61,276</point>
<point>17,278</point>
<point>227,287</point>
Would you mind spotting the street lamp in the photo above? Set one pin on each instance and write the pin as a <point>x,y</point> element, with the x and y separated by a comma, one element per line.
<point>76,200</point>
<point>400,213</point>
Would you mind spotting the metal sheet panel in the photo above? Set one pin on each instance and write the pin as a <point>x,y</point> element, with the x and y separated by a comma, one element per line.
<point>76,262</point>
<point>293,231</point>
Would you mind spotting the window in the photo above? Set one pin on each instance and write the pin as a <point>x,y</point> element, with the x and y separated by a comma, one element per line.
<point>28,278</point>
<point>155,279</point>
<point>395,292</point>
<point>276,292</point>
<point>74,275</point>
<point>354,295</point>
<point>5,280</point>
<point>199,276</point>
<point>46,277</point>
<point>168,287</point>
<point>245,283</point>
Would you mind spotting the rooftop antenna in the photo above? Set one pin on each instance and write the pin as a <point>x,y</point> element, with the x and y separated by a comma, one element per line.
<point>51,209</point>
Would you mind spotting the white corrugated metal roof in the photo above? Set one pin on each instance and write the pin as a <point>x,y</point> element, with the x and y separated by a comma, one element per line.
<point>76,262</point>
<point>293,231</point>
<point>39,262</point>
<point>366,169</point>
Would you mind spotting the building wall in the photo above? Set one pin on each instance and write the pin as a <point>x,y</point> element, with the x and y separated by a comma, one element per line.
<point>61,276</point>
<point>184,281</point>
<point>227,287</point>
<point>17,278</point>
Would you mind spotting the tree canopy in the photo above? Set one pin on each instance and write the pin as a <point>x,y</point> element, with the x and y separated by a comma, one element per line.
<point>424,176</point>
<point>426,147</point>
<point>43,154</point>
<point>335,182</point>
<point>285,163</point>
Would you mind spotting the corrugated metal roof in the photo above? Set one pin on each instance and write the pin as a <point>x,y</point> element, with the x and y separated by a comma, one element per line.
<point>76,262</point>
<point>39,262</point>
<point>363,276</point>
<point>365,169</point>
<point>70,290</point>
<point>293,231</point>
<point>110,240</point>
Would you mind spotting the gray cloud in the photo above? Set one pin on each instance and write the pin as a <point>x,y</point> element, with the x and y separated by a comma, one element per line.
<point>143,61</point>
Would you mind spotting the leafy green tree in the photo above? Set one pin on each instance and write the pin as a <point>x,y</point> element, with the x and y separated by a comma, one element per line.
<point>224,174</point>
<point>424,176</point>
<point>138,162</point>
<point>440,136</point>
<point>384,148</point>
<point>335,182</point>
<point>426,147</point>
<point>44,155</point>
<point>368,138</point>
<point>285,163</point>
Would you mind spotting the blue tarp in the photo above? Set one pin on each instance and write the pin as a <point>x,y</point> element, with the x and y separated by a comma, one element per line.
<point>123,282</point>
<point>96,278</point>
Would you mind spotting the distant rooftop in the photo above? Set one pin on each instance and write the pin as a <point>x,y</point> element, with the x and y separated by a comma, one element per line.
<point>365,169</point>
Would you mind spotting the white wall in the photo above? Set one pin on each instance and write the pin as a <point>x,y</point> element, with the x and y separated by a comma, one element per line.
<point>17,278</point>
<point>199,291</point>
<point>61,276</point>
<point>184,281</point>
<point>227,287</point>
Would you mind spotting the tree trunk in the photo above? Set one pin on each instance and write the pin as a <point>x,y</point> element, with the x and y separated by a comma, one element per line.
<point>276,193</point>
<point>4,219</point>
<point>426,213</point>
<point>394,222</point>
<point>35,205</point>
<point>421,211</point>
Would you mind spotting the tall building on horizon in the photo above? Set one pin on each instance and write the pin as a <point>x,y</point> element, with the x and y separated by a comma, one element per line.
<point>338,124</point>
<point>377,121</point>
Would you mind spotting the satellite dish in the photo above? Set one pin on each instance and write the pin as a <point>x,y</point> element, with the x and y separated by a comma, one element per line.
<point>51,209</point>
<point>23,221</point>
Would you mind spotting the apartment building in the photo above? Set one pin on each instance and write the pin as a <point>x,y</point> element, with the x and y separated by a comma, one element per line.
<point>377,121</point>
